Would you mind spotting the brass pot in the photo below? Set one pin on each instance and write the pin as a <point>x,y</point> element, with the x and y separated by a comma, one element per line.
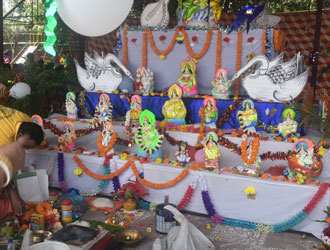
<point>39,235</point>
<point>129,237</point>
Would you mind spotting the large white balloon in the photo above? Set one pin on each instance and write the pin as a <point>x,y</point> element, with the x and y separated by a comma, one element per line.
<point>94,18</point>
<point>20,90</point>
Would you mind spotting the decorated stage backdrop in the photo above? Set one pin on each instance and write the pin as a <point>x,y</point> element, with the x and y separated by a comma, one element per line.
<point>299,28</point>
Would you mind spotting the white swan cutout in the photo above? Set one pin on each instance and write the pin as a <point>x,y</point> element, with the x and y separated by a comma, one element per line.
<point>275,81</point>
<point>100,73</point>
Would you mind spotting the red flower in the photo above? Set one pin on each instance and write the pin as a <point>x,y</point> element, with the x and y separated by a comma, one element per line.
<point>226,39</point>
<point>194,38</point>
<point>250,39</point>
<point>162,38</point>
<point>133,40</point>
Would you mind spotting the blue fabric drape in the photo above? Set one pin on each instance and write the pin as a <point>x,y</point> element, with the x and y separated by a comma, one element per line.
<point>155,104</point>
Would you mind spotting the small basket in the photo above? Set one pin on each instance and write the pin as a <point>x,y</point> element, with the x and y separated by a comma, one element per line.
<point>164,219</point>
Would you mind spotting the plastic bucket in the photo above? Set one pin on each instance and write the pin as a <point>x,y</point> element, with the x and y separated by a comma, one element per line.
<point>164,219</point>
<point>49,245</point>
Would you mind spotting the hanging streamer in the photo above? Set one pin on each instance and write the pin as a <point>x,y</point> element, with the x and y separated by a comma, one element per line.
<point>51,8</point>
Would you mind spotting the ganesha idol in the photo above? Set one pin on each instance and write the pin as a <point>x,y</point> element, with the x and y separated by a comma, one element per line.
<point>187,80</point>
<point>147,138</point>
<point>221,84</point>
<point>174,110</point>
<point>303,161</point>
<point>144,81</point>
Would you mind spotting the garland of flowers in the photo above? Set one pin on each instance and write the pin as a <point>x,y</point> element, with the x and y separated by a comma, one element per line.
<point>277,42</point>
<point>188,195</point>
<point>255,150</point>
<point>103,183</point>
<point>263,46</point>
<point>168,184</point>
<point>276,155</point>
<point>104,150</point>
<point>238,60</point>
<point>60,165</point>
<point>82,106</point>
<point>205,47</point>
<point>79,132</point>
<point>97,176</point>
<point>279,227</point>
<point>116,183</point>
<point>283,41</point>
<point>155,49</point>
<point>229,110</point>
<point>125,47</point>
<point>144,49</point>
<point>218,53</point>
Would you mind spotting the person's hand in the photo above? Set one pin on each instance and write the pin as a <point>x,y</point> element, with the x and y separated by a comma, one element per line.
<point>16,201</point>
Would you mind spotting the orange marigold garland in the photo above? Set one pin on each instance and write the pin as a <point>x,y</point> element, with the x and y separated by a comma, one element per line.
<point>218,55</point>
<point>155,49</point>
<point>263,46</point>
<point>125,47</point>
<point>97,176</point>
<point>104,150</point>
<point>238,60</point>
<point>277,44</point>
<point>255,150</point>
<point>168,184</point>
<point>144,49</point>
<point>205,47</point>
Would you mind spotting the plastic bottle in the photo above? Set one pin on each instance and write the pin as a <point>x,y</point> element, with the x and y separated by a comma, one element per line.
<point>10,245</point>
<point>67,211</point>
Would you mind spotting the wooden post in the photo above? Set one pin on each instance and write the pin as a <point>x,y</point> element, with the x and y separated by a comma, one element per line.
<point>316,50</point>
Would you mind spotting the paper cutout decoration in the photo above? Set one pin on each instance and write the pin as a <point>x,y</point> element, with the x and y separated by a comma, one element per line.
<point>100,74</point>
<point>156,14</point>
<point>51,8</point>
<point>195,13</point>
<point>275,82</point>
<point>94,18</point>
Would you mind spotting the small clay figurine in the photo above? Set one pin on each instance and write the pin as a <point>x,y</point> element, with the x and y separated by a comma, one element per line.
<point>182,155</point>
<point>70,105</point>
<point>221,84</point>
<point>211,152</point>
<point>106,139</point>
<point>103,112</point>
<point>303,163</point>
<point>288,127</point>
<point>187,80</point>
<point>144,81</point>
<point>209,112</point>
<point>174,110</point>
<point>248,117</point>
<point>132,115</point>
<point>147,137</point>
<point>67,139</point>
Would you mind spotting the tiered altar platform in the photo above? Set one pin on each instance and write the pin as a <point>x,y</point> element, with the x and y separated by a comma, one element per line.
<point>276,201</point>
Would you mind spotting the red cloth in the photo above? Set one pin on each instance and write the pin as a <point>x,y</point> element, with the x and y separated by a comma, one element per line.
<point>275,171</point>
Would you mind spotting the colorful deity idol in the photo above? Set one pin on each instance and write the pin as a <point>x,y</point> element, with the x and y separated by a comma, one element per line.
<point>211,152</point>
<point>209,112</point>
<point>221,84</point>
<point>182,155</point>
<point>195,13</point>
<point>103,111</point>
<point>147,137</point>
<point>248,117</point>
<point>251,160</point>
<point>144,81</point>
<point>68,137</point>
<point>174,110</point>
<point>70,105</point>
<point>107,139</point>
<point>132,115</point>
<point>187,80</point>
<point>303,163</point>
<point>288,127</point>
